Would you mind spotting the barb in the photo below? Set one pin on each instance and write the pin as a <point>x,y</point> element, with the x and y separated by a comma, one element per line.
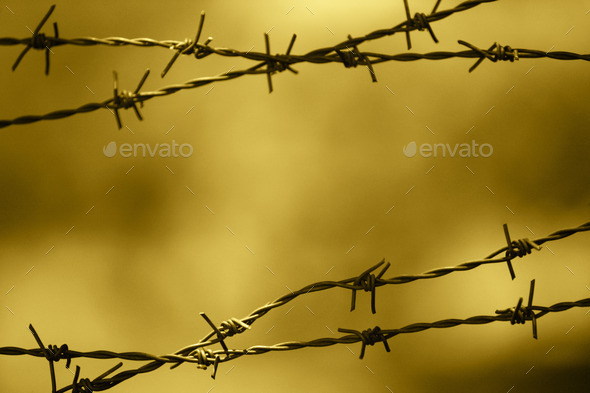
<point>39,41</point>
<point>495,53</point>
<point>189,47</point>
<point>124,99</point>
<point>518,248</point>
<point>419,22</point>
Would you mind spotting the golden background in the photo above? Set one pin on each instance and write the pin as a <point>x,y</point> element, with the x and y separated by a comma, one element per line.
<point>125,256</point>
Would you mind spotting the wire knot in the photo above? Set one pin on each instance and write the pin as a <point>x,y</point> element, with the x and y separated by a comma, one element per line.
<point>349,59</point>
<point>503,53</point>
<point>368,337</point>
<point>232,326</point>
<point>125,99</point>
<point>522,247</point>
<point>495,53</point>
<point>55,353</point>
<point>84,385</point>
<point>203,357</point>
<point>367,281</point>
<point>40,41</point>
<point>190,47</point>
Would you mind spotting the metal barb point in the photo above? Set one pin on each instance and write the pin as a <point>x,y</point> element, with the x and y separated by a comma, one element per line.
<point>509,252</point>
<point>436,6</point>
<point>269,66</point>
<point>530,308</point>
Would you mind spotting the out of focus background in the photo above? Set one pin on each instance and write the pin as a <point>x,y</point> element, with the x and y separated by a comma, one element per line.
<point>308,183</point>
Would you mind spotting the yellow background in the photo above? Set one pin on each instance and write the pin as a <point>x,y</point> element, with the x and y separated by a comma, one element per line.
<point>298,177</point>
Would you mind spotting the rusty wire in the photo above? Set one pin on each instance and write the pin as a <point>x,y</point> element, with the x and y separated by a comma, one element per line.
<point>204,357</point>
<point>346,53</point>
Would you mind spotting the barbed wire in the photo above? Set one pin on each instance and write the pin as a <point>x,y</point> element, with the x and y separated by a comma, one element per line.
<point>346,53</point>
<point>204,357</point>
<point>192,47</point>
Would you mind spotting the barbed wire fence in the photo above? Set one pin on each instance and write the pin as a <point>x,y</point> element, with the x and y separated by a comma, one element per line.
<point>203,356</point>
<point>346,53</point>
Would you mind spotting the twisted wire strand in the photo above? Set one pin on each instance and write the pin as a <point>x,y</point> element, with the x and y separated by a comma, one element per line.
<point>405,26</point>
<point>367,337</point>
<point>365,58</point>
<point>346,53</point>
<point>413,328</point>
<point>197,354</point>
<point>349,283</point>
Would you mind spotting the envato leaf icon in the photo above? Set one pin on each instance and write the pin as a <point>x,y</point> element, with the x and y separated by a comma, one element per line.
<point>410,149</point>
<point>110,150</point>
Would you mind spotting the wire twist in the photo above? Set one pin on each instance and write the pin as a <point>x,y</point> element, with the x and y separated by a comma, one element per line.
<point>368,337</point>
<point>495,53</point>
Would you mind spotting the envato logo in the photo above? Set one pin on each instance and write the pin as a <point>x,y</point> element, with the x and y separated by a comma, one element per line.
<point>440,149</point>
<point>126,150</point>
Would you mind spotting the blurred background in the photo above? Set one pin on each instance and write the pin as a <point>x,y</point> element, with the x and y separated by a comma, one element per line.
<point>306,184</point>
